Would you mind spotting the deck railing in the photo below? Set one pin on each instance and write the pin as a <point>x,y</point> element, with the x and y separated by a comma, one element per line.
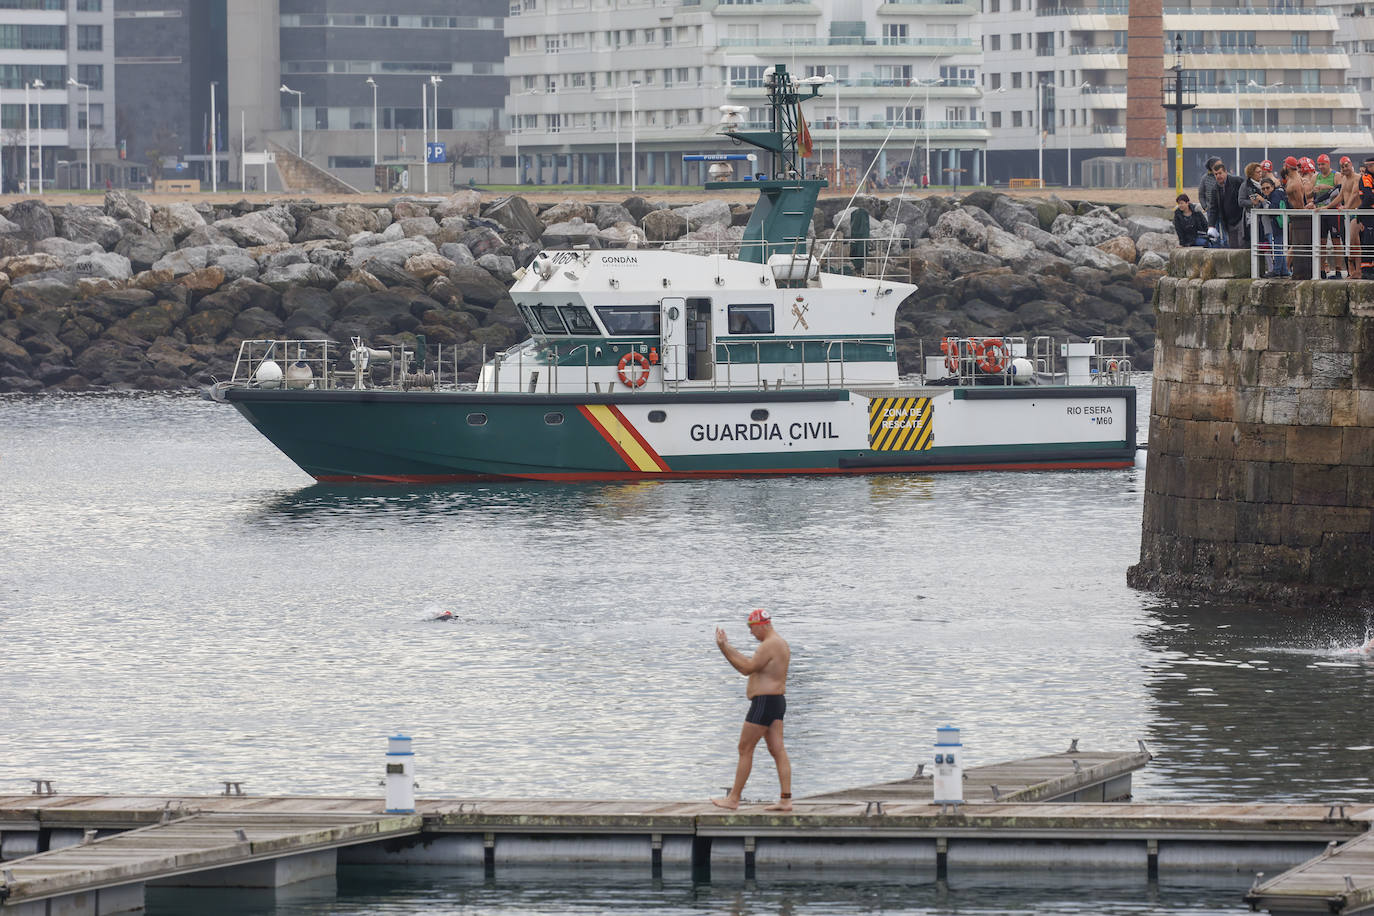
<point>1280,238</point>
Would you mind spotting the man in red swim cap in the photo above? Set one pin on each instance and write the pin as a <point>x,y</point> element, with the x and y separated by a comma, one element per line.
<point>767,673</point>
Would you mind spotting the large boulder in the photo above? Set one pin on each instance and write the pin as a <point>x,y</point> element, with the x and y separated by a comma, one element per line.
<point>204,235</point>
<point>428,266</point>
<point>607,215</point>
<point>1086,230</point>
<point>282,216</point>
<point>34,220</point>
<point>664,225</point>
<point>177,220</point>
<point>959,226</point>
<point>66,250</point>
<point>515,213</point>
<point>25,264</point>
<point>573,232</point>
<point>910,216</point>
<point>123,205</point>
<point>144,249</point>
<point>252,229</point>
<point>949,255</point>
<point>313,228</point>
<point>1002,244</point>
<point>106,264</point>
<point>477,285</point>
<point>1159,243</point>
<point>1140,224</point>
<point>237,266</point>
<point>706,213</point>
<point>1041,239</point>
<point>89,224</point>
<point>1097,259</point>
<point>566,211</point>
<point>1121,246</point>
<point>393,253</point>
<point>282,278</point>
<point>1009,213</point>
<point>464,203</point>
<point>413,226</point>
<point>352,219</point>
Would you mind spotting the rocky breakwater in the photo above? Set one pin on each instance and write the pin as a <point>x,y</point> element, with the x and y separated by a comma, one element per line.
<point>128,295</point>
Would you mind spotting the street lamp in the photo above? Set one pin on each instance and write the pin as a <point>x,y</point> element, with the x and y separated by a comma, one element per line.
<point>39,84</point>
<point>1068,136</point>
<point>515,102</point>
<point>434,81</point>
<point>75,85</point>
<point>424,132</point>
<point>300,119</point>
<point>28,158</point>
<point>214,142</point>
<point>1266,116</point>
<point>373,83</point>
<point>634,160</point>
<point>1040,132</point>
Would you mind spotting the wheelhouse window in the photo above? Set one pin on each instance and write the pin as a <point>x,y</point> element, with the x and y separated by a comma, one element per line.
<point>578,319</point>
<point>751,319</point>
<point>627,320</point>
<point>549,319</point>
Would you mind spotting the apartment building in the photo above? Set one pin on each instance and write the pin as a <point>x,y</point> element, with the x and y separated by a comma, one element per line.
<point>618,91</point>
<point>1059,85</point>
<point>45,47</point>
<point>1355,36</point>
<point>344,60</point>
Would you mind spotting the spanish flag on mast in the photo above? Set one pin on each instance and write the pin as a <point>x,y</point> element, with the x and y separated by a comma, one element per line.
<point>803,135</point>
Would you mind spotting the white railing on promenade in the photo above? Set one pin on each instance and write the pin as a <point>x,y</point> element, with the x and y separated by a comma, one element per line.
<point>1278,238</point>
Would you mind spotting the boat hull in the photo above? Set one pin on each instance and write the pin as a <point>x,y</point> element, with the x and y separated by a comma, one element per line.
<point>437,437</point>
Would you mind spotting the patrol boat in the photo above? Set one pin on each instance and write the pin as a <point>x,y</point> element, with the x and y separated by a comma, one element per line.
<point>775,359</point>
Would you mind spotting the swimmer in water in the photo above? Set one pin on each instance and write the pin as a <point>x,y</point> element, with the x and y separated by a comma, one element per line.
<point>1367,648</point>
<point>446,615</point>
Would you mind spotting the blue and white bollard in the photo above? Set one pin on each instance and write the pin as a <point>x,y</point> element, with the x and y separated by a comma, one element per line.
<point>949,769</point>
<point>400,776</point>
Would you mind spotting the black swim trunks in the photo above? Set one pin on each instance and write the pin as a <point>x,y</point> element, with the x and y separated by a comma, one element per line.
<point>766,709</point>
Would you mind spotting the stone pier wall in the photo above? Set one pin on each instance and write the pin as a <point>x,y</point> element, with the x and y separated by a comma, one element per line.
<point>1260,481</point>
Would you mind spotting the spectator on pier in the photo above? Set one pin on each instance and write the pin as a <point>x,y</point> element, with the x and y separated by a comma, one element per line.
<point>1225,213</point>
<point>1190,223</point>
<point>1207,188</point>
<point>1248,198</point>
<point>1271,228</point>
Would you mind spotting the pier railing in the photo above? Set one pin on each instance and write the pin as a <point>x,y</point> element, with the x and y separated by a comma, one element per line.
<point>1281,238</point>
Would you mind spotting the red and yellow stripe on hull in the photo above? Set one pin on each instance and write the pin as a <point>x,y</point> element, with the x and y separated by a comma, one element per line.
<point>639,456</point>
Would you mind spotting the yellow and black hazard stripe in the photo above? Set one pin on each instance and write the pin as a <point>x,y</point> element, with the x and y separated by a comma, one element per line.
<point>900,424</point>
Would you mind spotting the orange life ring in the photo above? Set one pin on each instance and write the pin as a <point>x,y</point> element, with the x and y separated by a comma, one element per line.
<point>992,353</point>
<point>950,347</point>
<point>643,364</point>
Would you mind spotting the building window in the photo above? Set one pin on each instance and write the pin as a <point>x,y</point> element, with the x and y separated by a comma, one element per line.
<point>15,76</point>
<point>996,119</point>
<point>994,42</point>
<point>90,37</point>
<point>92,75</point>
<point>33,37</point>
<point>1016,119</point>
<point>97,117</point>
<point>1016,41</point>
<point>88,6</point>
<point>1016,80</point>
<point>33,4</point>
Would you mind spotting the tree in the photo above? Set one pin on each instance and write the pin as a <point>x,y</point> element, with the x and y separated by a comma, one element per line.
<point>490,141</point>
<point>165,145</point>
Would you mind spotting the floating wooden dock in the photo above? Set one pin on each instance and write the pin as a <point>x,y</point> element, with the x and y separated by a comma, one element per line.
<point>96,854</point>
<point>1340,881</point>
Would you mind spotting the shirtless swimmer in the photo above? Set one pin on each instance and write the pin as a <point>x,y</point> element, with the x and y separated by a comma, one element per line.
<point>767,673</point>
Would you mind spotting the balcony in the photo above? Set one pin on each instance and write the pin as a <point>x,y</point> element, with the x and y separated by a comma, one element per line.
<point>765,7</point>
<point>848,44</point>
<point>927,7</point>
<point>1093,17</point>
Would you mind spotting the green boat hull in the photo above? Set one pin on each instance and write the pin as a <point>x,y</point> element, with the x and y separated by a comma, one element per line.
<point>434,437</point>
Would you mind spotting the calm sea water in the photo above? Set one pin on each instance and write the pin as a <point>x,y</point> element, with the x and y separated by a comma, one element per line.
<point>180,605</point>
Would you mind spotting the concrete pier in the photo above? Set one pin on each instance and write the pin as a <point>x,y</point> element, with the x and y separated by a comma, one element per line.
<point>1260,480</point>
